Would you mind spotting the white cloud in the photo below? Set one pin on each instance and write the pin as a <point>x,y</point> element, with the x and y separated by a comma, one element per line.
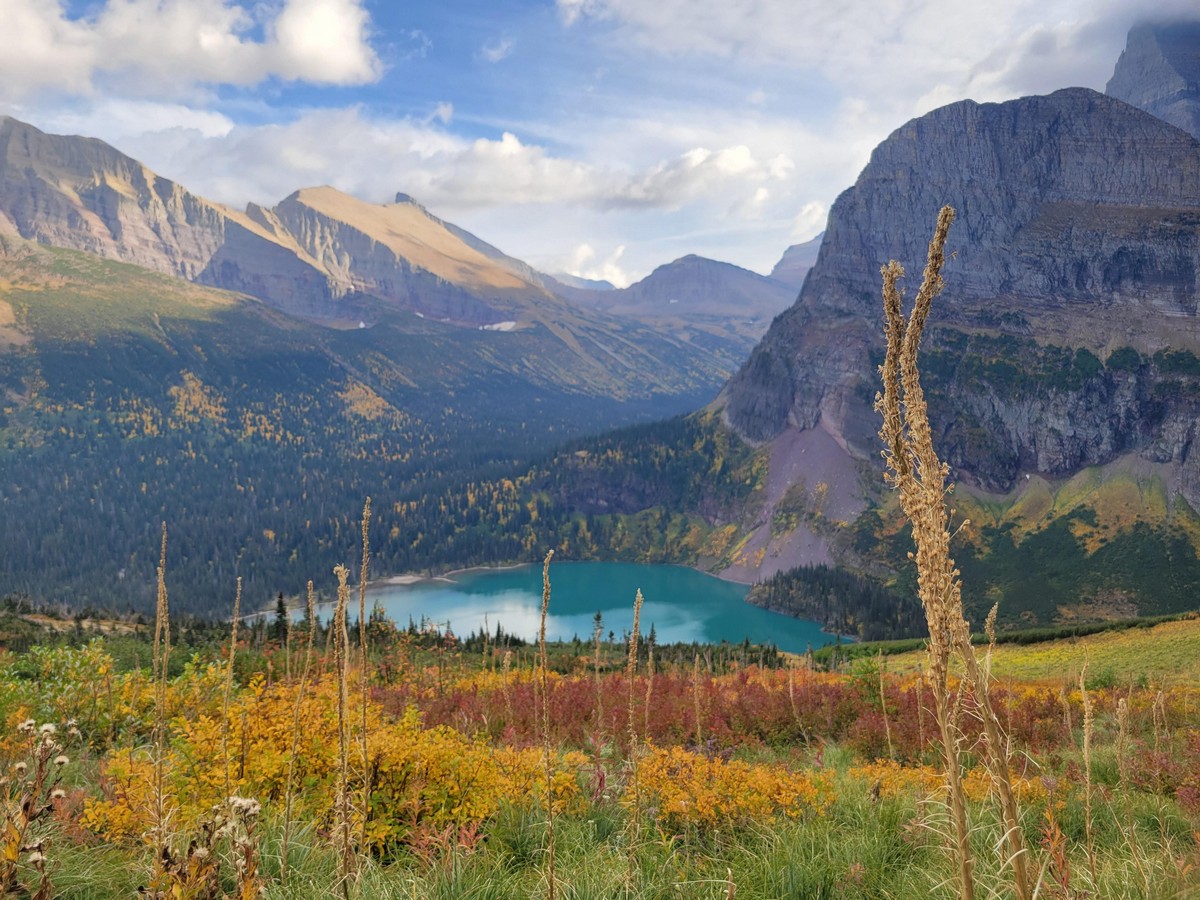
<point>374,159</point>
<point>496,50</point>
<point>163,48</point>
<point>584,264</point>
<point>324,40</point>
<point>900,57</point>
<point>810,221</point>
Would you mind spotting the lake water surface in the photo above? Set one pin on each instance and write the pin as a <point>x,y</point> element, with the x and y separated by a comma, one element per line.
<point>682,604</point>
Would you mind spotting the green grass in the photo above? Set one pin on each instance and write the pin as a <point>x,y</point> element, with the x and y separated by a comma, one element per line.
<point>1167,652</point>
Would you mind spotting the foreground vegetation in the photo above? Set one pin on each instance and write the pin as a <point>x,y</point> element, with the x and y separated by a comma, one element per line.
<point>673,783</point>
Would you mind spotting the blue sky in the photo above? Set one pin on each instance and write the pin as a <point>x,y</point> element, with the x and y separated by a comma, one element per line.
<point>599,137</point>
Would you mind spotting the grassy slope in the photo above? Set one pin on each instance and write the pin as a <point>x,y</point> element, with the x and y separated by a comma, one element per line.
<point>1167,653</point>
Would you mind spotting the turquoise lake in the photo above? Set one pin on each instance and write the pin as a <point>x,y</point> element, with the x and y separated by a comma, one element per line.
<point>682,604</point>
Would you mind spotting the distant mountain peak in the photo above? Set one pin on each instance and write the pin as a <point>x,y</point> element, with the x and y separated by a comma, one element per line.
<point>796,261</point>
<point>1159,72</point>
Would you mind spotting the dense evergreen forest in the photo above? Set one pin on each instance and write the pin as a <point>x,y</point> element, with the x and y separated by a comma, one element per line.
<point>842,602</point>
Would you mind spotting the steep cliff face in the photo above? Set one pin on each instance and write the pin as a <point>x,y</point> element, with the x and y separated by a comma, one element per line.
<point>1159,71</point>
<point>401,254</point>
<point>82,194</point>
<point>1078,229</point>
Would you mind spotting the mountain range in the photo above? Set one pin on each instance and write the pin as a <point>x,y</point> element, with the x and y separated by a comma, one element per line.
<point>1062,365</point>
<point>1062,369</point>
<point>145,329</point>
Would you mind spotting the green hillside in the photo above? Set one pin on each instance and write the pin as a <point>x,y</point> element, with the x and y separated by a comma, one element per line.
<point>131,398</point>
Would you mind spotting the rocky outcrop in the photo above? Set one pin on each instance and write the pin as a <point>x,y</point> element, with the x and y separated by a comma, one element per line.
<point>1074,280</point>
<point>1159,71</point>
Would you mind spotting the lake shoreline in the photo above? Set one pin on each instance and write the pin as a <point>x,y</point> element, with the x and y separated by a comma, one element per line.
<point>452,577</point>
<point>688,602</point>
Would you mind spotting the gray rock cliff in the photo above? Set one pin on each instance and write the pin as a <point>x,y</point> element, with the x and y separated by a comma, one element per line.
<point>1078,236</point>
<point>1159,71</point>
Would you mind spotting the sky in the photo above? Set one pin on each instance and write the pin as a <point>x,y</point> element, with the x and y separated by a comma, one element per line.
<point>601,138</point>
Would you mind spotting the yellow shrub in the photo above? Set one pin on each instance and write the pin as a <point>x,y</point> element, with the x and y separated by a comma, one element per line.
<point>689,790</point>
<point>420,777</point>
<point>895,780</point>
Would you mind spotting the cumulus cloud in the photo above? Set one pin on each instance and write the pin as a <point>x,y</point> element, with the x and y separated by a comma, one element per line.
<point>120,119</point>
<point>373,159</point>
<point>166,47</point>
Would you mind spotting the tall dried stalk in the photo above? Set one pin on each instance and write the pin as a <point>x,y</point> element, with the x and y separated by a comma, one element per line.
<point>342,830</point>
<point>287,650</point>
<point>544,666</point>
<point>887,726</point>
<point>1089,724</point>
<point>363,668</point>
<point>1123,742</point>
<point>237,605</point>
<point>162,658</point>
<point>291,776</point>
<point>920,477</point>
<point>506,670</point>
<point>630,674</point>
<point>649,689</point>
<point>597,631</point>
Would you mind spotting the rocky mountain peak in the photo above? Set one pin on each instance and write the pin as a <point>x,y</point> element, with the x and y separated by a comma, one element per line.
<point>1078,228</point>
<point>1159,71</point>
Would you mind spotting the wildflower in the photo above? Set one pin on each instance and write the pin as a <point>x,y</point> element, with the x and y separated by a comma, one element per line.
<point>36,858</point>
<point>61,760</point>
<point>245,806</point>
<point>48,729</point>
<point>58,794</point>
<point>27,727</point>
<point>20,768</point>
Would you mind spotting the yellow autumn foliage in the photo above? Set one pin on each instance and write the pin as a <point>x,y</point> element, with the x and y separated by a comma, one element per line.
<point>896,780</point>
<point>420,777</point>
<point>685,789</point>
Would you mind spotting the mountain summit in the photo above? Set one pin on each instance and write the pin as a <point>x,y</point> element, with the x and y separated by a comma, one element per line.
<point>1159,71</point>
<point>1066,337</point>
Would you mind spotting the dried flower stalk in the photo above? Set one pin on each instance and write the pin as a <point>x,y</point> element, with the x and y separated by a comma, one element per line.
<point>920,478</point>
